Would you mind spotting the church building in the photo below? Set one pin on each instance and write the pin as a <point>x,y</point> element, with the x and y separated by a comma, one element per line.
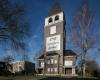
<point>56,60</point>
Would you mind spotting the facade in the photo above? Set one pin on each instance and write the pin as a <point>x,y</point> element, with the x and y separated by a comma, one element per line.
<point>51,64</point>
<point>20,66</point>
<point>56,60</point>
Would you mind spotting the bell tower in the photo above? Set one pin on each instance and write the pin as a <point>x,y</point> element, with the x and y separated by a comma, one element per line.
<point>54,34</point>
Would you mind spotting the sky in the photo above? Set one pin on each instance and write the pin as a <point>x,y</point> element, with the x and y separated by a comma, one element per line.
<point>37,10</point>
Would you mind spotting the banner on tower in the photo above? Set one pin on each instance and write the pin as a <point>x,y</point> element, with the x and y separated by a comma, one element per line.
<point>53,43</point>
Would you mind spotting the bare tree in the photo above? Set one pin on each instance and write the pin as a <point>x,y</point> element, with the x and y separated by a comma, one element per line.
<point>39,53</point>
<point>8,59</point>
<point>82,32</point>
<point>25,57</point>
<point>91,67</point>
<point>13,27</point>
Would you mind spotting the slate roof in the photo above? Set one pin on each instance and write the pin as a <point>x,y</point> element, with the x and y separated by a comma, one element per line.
<point>66,53</point>
<point>48,54</point>
<point>41,56</point>
<point>69,53</point>
<point>55,9</point>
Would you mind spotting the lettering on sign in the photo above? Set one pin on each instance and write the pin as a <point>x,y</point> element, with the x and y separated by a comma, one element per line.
<point>53,43</point>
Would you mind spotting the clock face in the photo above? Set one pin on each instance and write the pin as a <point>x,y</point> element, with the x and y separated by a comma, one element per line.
<point>52,29</point>
<point>53,43</point>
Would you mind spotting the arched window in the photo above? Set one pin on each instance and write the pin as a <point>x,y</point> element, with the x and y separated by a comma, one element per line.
<point>50,20</point>
<point>56,18</point>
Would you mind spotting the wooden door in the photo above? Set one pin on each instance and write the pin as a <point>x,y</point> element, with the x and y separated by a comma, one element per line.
<point>68,71</point>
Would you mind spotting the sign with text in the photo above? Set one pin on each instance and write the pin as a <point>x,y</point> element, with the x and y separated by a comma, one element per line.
<point>53,43</point>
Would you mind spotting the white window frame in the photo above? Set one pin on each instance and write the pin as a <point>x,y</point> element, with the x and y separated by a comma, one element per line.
<point>51,69</point>
<point>55,69</point>
<point>52,29</point>
<point>48,61</point>
<point>48,69</point>
<point>52,61</point>
<point>42,64</point>
<point>55,61</point>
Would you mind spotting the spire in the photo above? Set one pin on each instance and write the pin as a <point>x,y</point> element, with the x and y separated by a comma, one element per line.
<point>55,9</point>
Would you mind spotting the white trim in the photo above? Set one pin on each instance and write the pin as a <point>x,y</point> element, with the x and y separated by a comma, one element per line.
<point>61,18</point>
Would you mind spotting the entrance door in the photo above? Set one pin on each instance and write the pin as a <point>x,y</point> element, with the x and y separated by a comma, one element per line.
<point>68,71</point>
<point>40,71</point>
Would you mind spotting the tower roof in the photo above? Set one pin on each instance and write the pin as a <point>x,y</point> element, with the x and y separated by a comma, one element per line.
<point>55,9</point>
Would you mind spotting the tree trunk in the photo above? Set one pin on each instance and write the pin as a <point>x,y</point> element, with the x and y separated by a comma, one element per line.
<point>84,64</point>
<point>84,68</point>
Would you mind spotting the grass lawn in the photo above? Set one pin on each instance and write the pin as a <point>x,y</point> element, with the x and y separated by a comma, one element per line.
<point>21,78</point>
<point>42,78</point>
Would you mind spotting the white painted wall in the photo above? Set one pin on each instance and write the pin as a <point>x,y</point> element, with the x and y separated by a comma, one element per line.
<point>61,18</point>
<point>53,43</point>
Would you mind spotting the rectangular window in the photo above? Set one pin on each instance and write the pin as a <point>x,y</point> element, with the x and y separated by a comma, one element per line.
<point>51,61</point>
<point>51,69</point>
<point>68,63</point>
<point>42,64</point>
<point>55,61</point>
<point>55,69</point>
<point>48,69</point>
<point>53,30</point>
<point>48,62</point>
